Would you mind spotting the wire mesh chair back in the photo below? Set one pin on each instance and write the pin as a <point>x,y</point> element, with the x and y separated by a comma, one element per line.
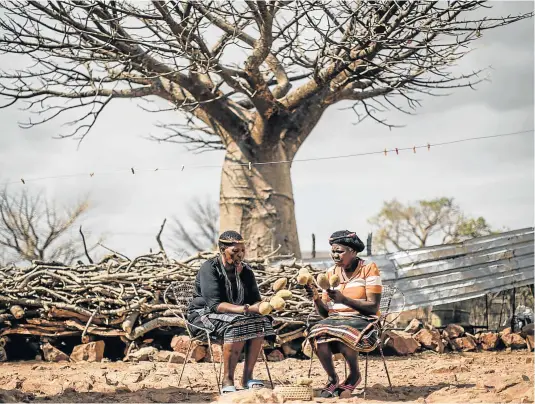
<point>178,296</point>
<point>386,298</point>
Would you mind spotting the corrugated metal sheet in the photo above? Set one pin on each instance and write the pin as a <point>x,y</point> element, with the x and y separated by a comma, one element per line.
<point>454,272</point>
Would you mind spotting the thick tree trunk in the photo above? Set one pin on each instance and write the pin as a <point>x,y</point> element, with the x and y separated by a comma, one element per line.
<point>259,202</point>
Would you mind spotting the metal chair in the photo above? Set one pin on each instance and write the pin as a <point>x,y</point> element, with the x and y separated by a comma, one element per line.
<point>380,324</point>
<point>182,293</point>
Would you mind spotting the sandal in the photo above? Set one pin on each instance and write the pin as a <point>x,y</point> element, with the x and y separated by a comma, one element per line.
<point>347,387</point>
<point>328,391</point>
<point>254,384</point>
<point>228,389</point>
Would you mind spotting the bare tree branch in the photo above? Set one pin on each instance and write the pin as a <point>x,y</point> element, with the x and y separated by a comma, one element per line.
<point>92,53</point>
<point>33,229</point>
<point>203,233</point>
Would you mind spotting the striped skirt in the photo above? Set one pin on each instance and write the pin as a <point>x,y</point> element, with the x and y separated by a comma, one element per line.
<point>356,332</point>
<point>230,327</point>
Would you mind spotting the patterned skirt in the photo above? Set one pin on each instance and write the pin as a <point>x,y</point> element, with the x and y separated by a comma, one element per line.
<point>357,332</point>
<point>230,327</point>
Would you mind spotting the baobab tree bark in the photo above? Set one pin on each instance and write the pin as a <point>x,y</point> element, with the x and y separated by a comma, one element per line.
<point>259,202</point>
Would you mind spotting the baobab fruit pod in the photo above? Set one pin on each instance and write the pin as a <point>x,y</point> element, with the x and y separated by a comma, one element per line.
<point>323,281</point>
<point>284,294</point>
<point>279,284</point>
<point>304,381</point>
<point>334,281</point>
<point>302,278</point>
<point>277,303</point>
<point>265,308</point>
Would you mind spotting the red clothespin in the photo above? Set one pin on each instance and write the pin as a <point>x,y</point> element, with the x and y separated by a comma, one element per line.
<point>397,151</point>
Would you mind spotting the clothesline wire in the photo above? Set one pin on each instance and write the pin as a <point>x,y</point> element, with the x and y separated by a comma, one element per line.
<point>250,165</point>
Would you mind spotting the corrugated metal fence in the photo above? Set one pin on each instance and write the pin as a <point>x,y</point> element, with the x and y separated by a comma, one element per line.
<point>454,272</point>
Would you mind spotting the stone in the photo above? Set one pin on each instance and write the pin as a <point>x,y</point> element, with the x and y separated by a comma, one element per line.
<point>147,353</point>
<point>514,341</point>
<point>275,356</point>
<point>91,352</point>
<point>218,354</point>
<point>180,343</point>
<point>430,339</point>
<point>53,354</point>
<point>338,357</point>
<point>414,326</point>
<point>529,359</point>
<point>489,341</point>
<point>453,331</point>
<point>464,344</point>
<point>401,342</point>
<point>306,348</point>
<point>288,350</point>
<point>3,354</point>
<point>250,396</point>
<point>170,357</point>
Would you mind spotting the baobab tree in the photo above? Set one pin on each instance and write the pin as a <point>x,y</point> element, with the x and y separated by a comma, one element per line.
<point>252,78</point>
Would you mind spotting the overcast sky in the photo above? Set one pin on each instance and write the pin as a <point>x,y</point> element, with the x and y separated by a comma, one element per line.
<point>491,178</point>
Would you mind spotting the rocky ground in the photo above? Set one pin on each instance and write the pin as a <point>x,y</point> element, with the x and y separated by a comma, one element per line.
<point>504,376</point>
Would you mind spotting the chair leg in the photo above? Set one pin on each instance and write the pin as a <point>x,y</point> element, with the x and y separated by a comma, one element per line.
<point>220,368</point>
<point>310,366</point>
<point>264,358</point>
<point>185,361</point>
<point>215,367</point>
<point>386,369</point>
<point>366,375</point>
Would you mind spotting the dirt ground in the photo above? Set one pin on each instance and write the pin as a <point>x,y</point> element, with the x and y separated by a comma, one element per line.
<point>424,378</point>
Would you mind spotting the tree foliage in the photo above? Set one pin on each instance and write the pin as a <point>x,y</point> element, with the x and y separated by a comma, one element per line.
<point>424,223</point>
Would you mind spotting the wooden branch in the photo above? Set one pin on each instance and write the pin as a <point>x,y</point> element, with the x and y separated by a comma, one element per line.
<point>85,247</point>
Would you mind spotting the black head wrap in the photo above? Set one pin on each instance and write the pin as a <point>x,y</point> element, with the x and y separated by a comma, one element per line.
<point>347,238</point>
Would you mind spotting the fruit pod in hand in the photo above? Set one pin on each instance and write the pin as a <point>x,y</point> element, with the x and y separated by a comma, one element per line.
<point>265,308</point>
<point>302,278</point>
<point>334,281</point>
<point>323,281</point>
<point>279,284</point>
<point>277,303</point>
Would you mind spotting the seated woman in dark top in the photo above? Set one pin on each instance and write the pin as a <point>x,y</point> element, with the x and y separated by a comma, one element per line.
<point>226,301</point>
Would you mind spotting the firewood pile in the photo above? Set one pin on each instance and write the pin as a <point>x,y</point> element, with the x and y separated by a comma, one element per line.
<point>121,297</point>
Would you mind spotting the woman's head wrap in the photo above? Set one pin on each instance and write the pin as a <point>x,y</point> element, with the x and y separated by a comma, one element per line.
<point>347,238</point>
<point>229,237</point>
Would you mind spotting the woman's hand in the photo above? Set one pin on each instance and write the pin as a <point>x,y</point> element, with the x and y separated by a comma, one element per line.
<point>254,308</point>
<point>312,292</point>
<point>336,296</point>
